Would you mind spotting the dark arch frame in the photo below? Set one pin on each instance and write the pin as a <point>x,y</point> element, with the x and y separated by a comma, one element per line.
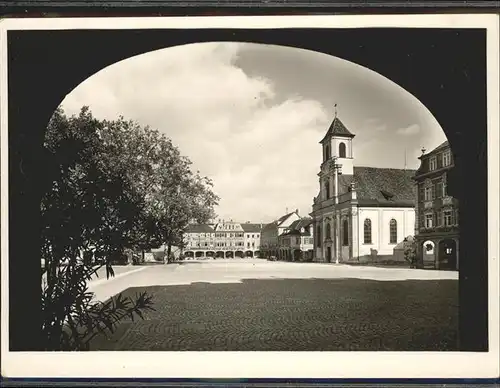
<point>435,65</point>
<point>367,231</point>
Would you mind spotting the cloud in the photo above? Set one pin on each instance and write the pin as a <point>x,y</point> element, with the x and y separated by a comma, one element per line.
<point>262,153</point>
<point>411,130</point>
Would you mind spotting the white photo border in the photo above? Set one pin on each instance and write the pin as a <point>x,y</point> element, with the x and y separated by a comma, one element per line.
<point>290,365</point>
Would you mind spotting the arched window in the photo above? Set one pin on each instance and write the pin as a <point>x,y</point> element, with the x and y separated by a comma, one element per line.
<point>345,235</point>
<point>327,188</point>
<point>327,152</point>
<point>318,236</point>
<point>342,153</point>
<point>368,231</point>
<point>328,234</point>
<point>393,231</point>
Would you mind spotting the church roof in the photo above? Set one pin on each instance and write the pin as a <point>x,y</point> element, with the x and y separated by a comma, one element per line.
<point>381,186</point>
<point>337,128</point>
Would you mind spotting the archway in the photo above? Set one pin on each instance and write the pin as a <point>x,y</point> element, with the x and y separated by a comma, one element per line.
<point>257,254</point>
<point>219,255</point>
<point>425,73</point>
<point>199,254</point>
<point>239,254</point>
<point>249,254</point>
<point>447,254</point>
<point>229,255</point>
<point>189,254</point>
<point>297,255</point>
<point>429,254</point>
<point>210,254</point>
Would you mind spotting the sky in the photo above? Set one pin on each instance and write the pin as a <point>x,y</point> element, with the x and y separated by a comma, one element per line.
<point>250,117</point>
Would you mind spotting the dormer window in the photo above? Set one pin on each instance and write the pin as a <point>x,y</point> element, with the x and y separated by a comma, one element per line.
<point>388,196</point>
<point>446,158</point>
<point>432,163</point>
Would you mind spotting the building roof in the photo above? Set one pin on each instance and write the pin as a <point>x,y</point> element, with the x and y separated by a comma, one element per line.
<point>251,228</point>
<point>282,219</point>
<point>337,128</point>
<point>296,226</point>
<point>199,228</point>
<point>381,186</point>
<point>440,147</point>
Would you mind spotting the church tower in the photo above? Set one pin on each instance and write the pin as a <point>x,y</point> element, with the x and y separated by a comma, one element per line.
<point>337,143</point>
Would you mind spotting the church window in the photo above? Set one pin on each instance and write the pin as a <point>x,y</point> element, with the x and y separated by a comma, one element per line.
<point>318,236</point>
<point>327,152</point>
<point>367,231</point>
<point>327,188</point>
<point>328,234</point>
<point>345,234</point>
<point>342,152</point>
<point>393,231</point>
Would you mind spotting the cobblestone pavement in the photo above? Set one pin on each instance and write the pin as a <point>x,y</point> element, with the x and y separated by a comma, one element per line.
<point>256,306</point>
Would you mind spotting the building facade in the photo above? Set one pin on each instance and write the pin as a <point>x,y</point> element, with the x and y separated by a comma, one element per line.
<point>437,235</point>
<point>269,241</point>
<point>360,213</point>
<point>225,239</point>
<point>296,243</point>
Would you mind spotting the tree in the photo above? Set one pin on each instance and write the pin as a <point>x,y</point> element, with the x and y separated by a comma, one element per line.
<point>410,251</point>
<point>117,188</point>
<point>85,216</point>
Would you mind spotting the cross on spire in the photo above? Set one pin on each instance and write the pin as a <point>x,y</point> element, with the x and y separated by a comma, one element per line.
<point>335,106</point>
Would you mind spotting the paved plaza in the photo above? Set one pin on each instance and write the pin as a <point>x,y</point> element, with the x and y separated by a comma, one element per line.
<point>258,305</point>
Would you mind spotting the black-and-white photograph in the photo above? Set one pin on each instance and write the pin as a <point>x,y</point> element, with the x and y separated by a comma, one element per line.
<point>312,189</point>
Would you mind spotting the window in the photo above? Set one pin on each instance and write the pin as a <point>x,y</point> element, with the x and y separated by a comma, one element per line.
<point>248,245</point>
<point>327,188</point>
<point>428,193</point>
<point>345,233</point>
<point>443,188</point>
<point>342,152</point>
<point>439,189</point>
<point>318,236</point>
<point>393,231</point>
<point>448,217</point>
<point>258,235</point>
<point>432,163</point>
<point>429,220</point>
<point>253,245</point>
<point>327,154</point>
<point>367,229</point>
<point>253,235</point>
<point>439,220</point>
<point>297,240</point>
<point>446,158</point>
<point>328,234</point>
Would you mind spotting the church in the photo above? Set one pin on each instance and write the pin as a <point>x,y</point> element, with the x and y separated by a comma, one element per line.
<point>360,213</point>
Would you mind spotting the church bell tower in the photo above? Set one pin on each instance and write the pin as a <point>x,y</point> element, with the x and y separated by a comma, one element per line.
<point>337,144</point>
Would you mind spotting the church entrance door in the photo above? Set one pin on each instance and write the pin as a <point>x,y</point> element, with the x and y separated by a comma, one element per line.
<point>328,254</point>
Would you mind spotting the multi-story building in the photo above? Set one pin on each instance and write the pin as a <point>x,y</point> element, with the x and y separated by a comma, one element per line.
<point>252,238</point>
<point>269,237</point>
<point>437,226</point>
<point>225,239</point>
<point>296,243</point>
<point>360,212</point>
